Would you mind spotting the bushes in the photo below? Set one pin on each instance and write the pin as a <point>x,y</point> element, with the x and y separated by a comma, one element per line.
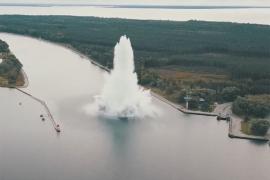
<point>229,94</point>
<point>3,46</point>
<point>10,67</point>
<point>260,127</point>
<point>255,106</point>
<point>193,104</point>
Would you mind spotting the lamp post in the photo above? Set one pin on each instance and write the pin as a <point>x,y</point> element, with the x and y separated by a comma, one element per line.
<point>201,100</point>
<point>187,99</point>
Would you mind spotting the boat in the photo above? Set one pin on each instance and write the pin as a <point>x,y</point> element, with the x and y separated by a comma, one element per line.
<point>226,117</point>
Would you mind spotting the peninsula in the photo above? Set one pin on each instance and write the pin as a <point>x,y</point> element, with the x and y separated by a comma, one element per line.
<point>11,73</point>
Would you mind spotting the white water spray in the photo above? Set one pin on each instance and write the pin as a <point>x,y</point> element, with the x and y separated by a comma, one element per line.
<point>121,95</point>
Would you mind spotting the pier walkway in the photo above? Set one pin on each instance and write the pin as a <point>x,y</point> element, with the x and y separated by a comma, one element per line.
<point>43,103</point>
<point>182,109</point>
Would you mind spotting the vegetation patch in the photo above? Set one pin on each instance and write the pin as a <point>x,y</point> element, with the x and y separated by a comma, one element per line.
<point>255,110</point>
<point>257,106</point>
<point>245,127</point>
<point>10,68</point>
<point>259,127</point>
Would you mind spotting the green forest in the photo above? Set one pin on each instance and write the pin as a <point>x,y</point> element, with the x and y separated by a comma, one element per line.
<point>216,61</point>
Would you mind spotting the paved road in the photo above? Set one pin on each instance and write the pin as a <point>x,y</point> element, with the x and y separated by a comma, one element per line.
<point>223,108</point>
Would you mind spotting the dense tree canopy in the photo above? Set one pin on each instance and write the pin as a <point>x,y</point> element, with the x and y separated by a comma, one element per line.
<point>228,59</point>
<point>255,106</point>
<point>241,49</point>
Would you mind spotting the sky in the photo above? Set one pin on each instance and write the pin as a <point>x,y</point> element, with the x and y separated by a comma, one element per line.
<point>162,2</point>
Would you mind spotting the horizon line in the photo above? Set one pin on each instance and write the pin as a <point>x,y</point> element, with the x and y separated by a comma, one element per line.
<point>153,6</point>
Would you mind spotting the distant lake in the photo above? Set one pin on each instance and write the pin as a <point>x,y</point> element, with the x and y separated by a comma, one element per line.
<point>254,15</point>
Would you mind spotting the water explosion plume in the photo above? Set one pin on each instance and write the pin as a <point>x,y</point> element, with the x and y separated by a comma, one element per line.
<point>121,95</point>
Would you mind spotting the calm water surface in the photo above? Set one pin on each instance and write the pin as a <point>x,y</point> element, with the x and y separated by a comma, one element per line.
<point>242,15</point>
<point>172,146</point>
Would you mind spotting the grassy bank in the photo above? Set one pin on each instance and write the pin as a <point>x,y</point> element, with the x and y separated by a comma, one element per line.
<point>245,128</point>
<point>213,61</point>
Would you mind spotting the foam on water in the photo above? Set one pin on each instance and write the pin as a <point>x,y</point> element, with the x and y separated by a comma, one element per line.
<point>121,95</point>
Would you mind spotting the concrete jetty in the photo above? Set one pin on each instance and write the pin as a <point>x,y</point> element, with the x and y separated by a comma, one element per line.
<point>182,109</point>
<point>43,103</point>
<point>235,131</point>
